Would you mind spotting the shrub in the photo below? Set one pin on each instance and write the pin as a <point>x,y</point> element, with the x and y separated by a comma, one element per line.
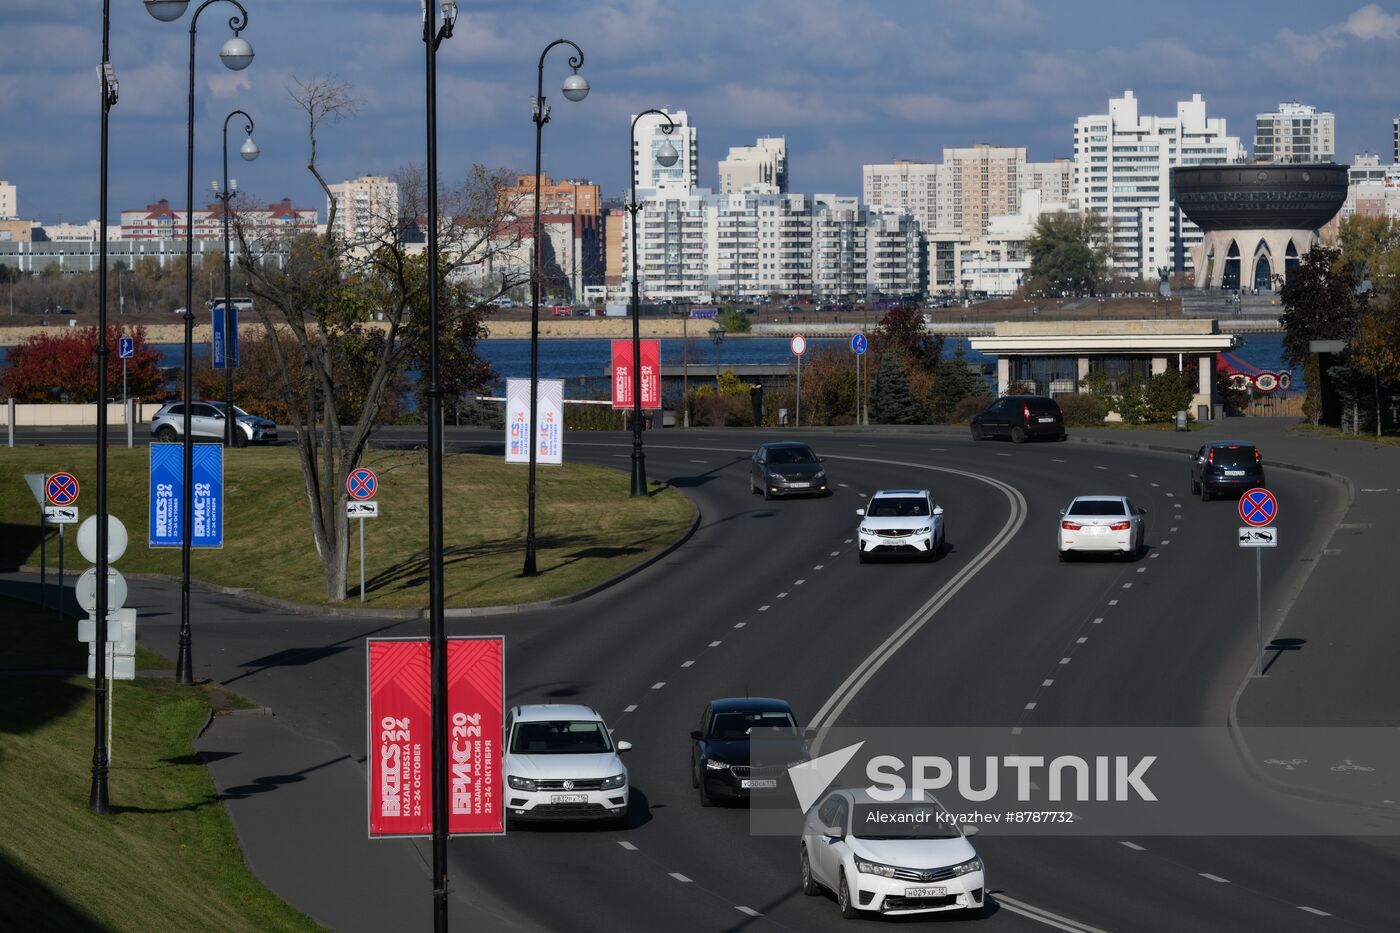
<point>1168,393</point>
<point>1082,410</point>
<point>967,407</point>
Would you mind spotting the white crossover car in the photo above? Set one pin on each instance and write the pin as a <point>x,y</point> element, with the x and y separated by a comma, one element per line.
<point>1102,525</point>
<point>562,764</point>
<point>900,522</point>
<point>901,857</point>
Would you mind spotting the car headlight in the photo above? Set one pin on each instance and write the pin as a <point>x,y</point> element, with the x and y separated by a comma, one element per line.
<point>971,865</point>
<point>617,780</point>
<point>874,868</point>
<point>866,531</point>
<point>820,474</point>
<point>924,530</point>
<point>712,765</point>
<point>519,783</point>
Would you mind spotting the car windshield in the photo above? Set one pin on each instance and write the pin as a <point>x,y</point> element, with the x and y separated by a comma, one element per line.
<point>902,820</point>
<point>560,737</point>
<point>1234,456</point>
<point>241,412</point>
<point>791,455</point>
<point>729,726</point>
<point>897,507</point>
<point>1097,507</point>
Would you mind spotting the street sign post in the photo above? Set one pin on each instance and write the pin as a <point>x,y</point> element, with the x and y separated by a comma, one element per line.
<point>61,489</point>
<point>1258,509</point>
<point>361,484</point>
<point>799,347</point>
<point>126,349</point>
<point>859,344</point>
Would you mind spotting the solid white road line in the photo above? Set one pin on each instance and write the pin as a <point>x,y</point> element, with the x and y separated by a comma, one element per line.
<point>1134,846</point>
<point>1216,878</point>
<point>1314,910</point>
<point>1040,915</point>
<point>627,845</point>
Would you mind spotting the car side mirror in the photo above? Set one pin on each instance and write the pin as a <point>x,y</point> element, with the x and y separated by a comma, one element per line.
<point>809,733</point>
<point>860,512</point>
<point>821,460</point>
<point>1062,511</point>
<point>697,735</point>
<point>970,830</point>
<point>624,747</point>
<point>938,510</point>
<point>1142,511</point>
<point>1192,457</point>
<point>833,833</point>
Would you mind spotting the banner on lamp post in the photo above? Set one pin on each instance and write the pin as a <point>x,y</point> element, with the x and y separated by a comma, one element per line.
<point>547,428</point>
<point>622,377</point>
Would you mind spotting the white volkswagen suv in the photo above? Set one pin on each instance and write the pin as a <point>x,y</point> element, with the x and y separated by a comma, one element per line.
<point>562,764</point>
<point>906,856</point>
<point>900,522</point>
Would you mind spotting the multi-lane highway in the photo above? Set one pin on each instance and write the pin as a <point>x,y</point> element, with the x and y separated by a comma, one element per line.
<point>767,598</point>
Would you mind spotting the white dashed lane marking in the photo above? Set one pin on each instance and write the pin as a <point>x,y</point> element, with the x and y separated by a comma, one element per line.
<point>715,644</point>
<point>1003,455</point>
<point>762,608</point>
<point>1113,602</point>
<point>1144,569</point>
<point>1133,475</point>
<point>1216,878</point>
<point>1046,683</point>
<point>627,845</point>
<point>699,461</point>
<point>631,709</point>
<point>835,553</point>
<point>747,911</point>
<point>1154,554</point>
<point>1171,495</point>
<point>1016,730</point>
<point>1314,910</point>
<point>798,582</point>
<point>848,541</point>
<point>1097,467</point>
<point>1081,640</point>
<point>1056,460</point>
<point>844,485</point>
<point>742,624</point>
<point>1134,846</point>
<point>1155,485</point>
<point>687,663</point>
<point>1064,660</point>
<point>658,685</point>
<point>1099,621</point>
<point>1127,586</point>
<point>679,877</point>
<point>782,596</point>
<point>1030,706</point>
<point>818,566</point>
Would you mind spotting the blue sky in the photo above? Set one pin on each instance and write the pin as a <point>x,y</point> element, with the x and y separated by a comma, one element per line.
<point>846,81</point>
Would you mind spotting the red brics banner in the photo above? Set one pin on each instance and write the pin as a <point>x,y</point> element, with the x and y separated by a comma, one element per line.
<point>400,737</point>
<point>622,373</point>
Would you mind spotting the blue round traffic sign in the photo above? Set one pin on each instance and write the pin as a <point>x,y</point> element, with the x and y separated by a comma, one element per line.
<point>859,344</point>
<point>62,489</point>
<point>1258,507</point>
<point>361,484</point>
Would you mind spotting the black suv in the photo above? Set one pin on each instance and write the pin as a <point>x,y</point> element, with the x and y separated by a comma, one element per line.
<point>1225,466</point>
<point>1020,417</point>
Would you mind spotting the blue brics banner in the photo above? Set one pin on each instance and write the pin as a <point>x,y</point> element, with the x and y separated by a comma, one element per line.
<point>167,499</point>
<point>224,335</point>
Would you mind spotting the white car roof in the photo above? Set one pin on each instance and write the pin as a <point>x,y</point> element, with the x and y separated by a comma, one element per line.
<point>548,712</point>
<point>901,492</point>
<point>1100,499</point>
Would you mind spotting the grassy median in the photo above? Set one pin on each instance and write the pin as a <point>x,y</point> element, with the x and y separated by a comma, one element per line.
<point>587,527</point>
<point>166,857</point>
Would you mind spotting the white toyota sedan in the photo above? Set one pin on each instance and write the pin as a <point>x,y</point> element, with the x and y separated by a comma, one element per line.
<point>562,764</point>
<point>901,857</point>
<point>900,522</point>
<point>1102,525</point>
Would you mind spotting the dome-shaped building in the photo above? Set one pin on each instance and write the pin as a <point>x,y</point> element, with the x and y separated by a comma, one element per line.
<point>1259,219</point>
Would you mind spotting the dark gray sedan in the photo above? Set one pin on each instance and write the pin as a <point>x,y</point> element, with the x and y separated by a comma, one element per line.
<point>787,468</point>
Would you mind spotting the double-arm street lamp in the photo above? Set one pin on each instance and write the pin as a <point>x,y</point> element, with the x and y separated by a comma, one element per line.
<point>249,151</point>
<point>666,156</point>
<point>575,88</point>
<point>236,55</point>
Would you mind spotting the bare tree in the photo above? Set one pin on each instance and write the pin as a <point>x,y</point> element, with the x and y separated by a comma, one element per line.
<point>357,308</point>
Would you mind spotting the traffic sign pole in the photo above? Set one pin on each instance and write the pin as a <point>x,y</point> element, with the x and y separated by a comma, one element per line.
<point>1259,603</point>
<point>362,560</point>
<point>60,573</point>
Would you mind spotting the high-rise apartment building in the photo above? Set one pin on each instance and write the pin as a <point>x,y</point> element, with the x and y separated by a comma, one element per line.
<point>570,196</point>
<point>9,200</point>
<point>1122,170</point>
<point>1295,133</point>
<point>1394,142</point>
<point>365,207</point>
<point>650,136</point>
<point>764,163</point>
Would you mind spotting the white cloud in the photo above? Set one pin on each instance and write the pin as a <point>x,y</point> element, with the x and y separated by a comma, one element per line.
<point>1368,23</point>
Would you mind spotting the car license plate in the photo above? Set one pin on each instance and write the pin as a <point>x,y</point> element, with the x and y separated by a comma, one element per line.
<point>1045,420</point>
<point>799,485</point>
<point>1234,472</point>
<point>568,798</point>
<point>925,892</point>
<point>758,783</point>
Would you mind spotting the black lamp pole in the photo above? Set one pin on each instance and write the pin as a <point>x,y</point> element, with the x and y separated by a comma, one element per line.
<point>226,196</point>
<point>97,798</point>
<point>639,462</point>
<point>236,55</point>
<point>437,631</point>
<point>575,88</point>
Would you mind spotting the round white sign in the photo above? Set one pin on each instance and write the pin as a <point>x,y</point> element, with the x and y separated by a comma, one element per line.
<point>87,538</point>
<point>86,590</point>
<point>799,345</point>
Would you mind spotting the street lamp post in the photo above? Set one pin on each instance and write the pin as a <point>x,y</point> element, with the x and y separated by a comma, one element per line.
<point>249,151</point>
<point>575,88</point>
<point>717,335</point>
<point>236,55</point>
<point>437,628</point>
<point>666,156</point>
<point>97,797</point>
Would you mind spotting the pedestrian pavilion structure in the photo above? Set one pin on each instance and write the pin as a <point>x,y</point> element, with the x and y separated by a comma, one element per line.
<point>1056,357</point>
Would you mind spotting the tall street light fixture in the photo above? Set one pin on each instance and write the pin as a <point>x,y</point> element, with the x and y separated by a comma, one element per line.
<point>437,630</point>
<point>717,335</point>
<point>97,798</point>
<point>575,88</point>
<point>236,55</point>
<point>666,156</point>
<point>249,151</point>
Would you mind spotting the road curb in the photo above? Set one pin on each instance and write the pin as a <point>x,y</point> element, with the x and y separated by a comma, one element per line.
<point>336,612</point>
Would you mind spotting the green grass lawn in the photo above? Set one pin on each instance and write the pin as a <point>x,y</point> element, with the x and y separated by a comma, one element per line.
<point>587,526</point>
<point>1334,434</point>
<point>166,857</point>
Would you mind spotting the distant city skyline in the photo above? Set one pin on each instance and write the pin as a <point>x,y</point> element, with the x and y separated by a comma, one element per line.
<point>845,83</point>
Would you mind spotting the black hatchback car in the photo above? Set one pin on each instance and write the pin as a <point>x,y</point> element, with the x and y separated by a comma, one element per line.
<point>1232,467</point>
<point>722,758</point>
<point>785,469</point>
<point>1020,417</point>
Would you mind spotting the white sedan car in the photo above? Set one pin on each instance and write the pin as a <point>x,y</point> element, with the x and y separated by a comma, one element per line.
<point>562,764</point>
<point>899,857</point>
<point>1102,525</point>
<point>900,522</point>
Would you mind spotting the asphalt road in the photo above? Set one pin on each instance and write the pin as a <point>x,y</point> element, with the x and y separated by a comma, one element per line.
<point>767,598</point>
